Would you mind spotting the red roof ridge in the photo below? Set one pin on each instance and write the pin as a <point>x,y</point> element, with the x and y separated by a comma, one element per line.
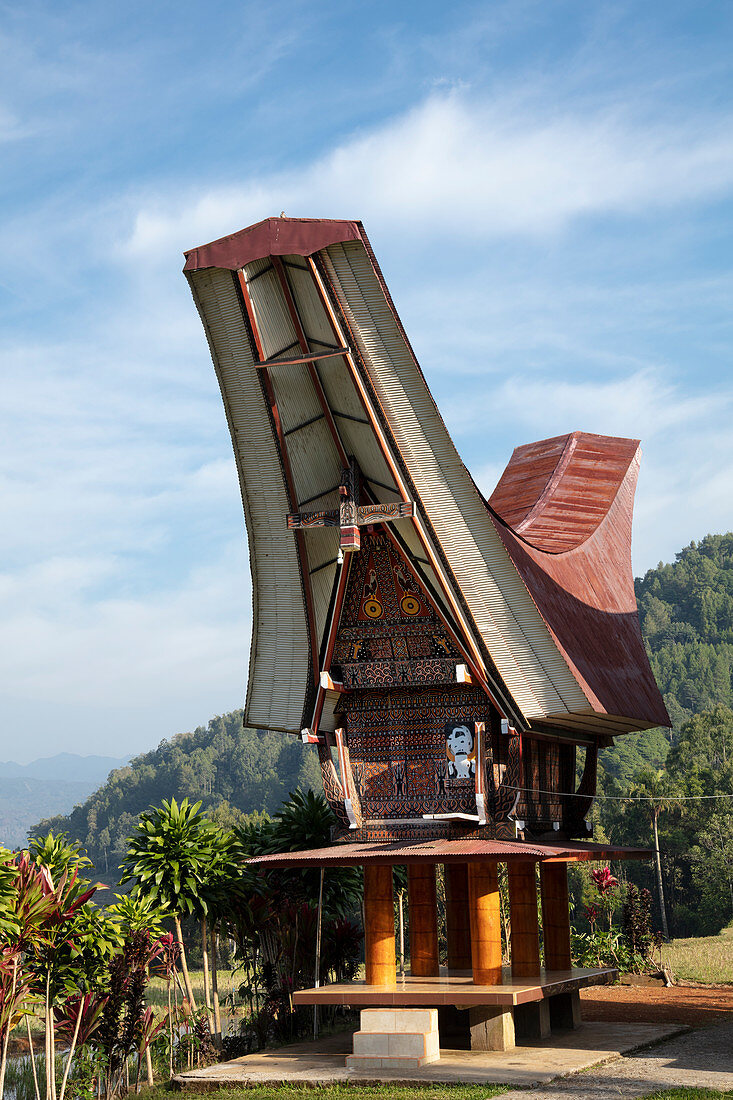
<point>271,237</point>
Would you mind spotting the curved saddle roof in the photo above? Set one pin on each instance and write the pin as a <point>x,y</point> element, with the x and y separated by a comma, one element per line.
<point>315,368</point>
<point>556,492</point>
<point>565,507</point>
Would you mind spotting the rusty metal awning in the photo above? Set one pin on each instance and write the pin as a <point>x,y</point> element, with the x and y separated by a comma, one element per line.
<point>447,851</point>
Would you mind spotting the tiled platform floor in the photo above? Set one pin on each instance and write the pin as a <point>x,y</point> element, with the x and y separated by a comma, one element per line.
<point>324,1062</point>
<point>456,989</point>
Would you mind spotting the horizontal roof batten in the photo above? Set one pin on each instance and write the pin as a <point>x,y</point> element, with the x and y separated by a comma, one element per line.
<point>302,359</point>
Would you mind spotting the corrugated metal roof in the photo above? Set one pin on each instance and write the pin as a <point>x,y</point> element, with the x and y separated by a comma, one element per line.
<point>586,593</point>
<point>514,632</point>
<point>271,237</point>
<point>554,493</point>
<point>564,653</point>
<point>445,851</point>
<point>279,655</point>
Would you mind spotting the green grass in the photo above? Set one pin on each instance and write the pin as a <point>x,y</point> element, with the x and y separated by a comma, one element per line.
<point>704,959</point>
<point>157,997</point>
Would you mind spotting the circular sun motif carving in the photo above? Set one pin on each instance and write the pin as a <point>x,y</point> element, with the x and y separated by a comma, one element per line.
<point>410,605</point>
<point>373,609</point>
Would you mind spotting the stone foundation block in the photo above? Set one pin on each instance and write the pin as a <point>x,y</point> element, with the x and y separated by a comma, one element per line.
<point>399,1019</point>
<point>401,1038</point>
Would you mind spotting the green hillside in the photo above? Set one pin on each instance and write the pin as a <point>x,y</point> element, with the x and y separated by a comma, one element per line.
<point>229,768</point>
<point>686,615</point>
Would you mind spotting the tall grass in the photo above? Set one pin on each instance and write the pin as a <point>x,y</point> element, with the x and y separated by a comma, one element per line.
<point>703,959</point>
<point>229,981</point>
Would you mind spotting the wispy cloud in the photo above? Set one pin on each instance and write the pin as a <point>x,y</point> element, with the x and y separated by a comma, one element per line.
<point>463,166</point>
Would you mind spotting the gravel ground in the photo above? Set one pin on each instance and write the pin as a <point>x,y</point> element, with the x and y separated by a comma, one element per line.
<point>701,1058</point>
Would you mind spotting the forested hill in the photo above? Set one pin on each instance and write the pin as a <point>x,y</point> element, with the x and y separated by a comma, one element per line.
<point>686,612</point>
<point>229,768</point>
<point>686,615</point>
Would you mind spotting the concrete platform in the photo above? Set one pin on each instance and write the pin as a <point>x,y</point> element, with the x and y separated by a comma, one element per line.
<point>456,989</point>
<point>324,1062</point>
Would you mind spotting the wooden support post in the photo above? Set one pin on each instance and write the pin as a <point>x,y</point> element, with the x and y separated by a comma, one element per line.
<point>457,916</point>
<point>555,915</point>
<point>531,1021</point>
<point>379,937</point>
<point>423,902</point>
<point>483,893</point>
<point>525,934</point>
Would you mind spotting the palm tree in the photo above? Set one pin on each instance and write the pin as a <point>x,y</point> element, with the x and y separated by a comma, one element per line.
<point>657,790</point>
<point>169,858</point>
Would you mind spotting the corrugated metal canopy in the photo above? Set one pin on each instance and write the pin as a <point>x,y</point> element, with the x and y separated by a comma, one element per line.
<point>567,506</point>
<point>271,237</point>
<point>446,851</point>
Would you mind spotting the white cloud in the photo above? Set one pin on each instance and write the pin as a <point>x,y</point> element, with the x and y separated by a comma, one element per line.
<point>640,404</point>
<point>177,647</point>
<point>467,167</point>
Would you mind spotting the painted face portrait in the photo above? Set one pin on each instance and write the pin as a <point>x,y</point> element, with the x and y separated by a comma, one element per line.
<point>459,750</point>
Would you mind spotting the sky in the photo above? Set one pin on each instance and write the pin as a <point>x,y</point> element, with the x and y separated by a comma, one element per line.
<point>548,188</point>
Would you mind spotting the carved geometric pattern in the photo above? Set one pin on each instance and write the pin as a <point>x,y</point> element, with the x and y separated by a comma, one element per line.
<point>378,674</point>
<point>387,615</point>
<point>397,743</point>
<point>332,788</point>
<point>507,779</point>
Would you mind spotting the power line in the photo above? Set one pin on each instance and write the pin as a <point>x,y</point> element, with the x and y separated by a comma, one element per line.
<point>625,797</point>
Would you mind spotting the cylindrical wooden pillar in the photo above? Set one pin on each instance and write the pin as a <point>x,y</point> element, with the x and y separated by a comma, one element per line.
<point>457,916</point>
<point>379,938</point>
<point>423,901</point>
<point>523,916</point>
<point>555,915</point>
<point>483,896</point>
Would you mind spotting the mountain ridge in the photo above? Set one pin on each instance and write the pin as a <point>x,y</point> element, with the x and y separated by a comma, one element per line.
<point>70,766</point>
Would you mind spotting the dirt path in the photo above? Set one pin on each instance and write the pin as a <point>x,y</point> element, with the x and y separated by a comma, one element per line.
<point>695,1005</point>
<point>702,1058</point>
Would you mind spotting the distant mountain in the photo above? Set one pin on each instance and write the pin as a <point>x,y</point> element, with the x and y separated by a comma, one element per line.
<point>66,766</point>
<point>44,788</point>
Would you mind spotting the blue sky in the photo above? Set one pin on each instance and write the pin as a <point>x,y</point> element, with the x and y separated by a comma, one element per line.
<point>548,187</point>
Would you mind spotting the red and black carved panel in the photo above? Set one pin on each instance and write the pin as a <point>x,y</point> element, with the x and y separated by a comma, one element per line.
<point>379,674</point>
<point>397,741</point>
<point>387,618</point>
<point>332,788</point>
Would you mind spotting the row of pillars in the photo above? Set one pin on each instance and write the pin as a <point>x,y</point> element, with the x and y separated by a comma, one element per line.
<point>473,920</point>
